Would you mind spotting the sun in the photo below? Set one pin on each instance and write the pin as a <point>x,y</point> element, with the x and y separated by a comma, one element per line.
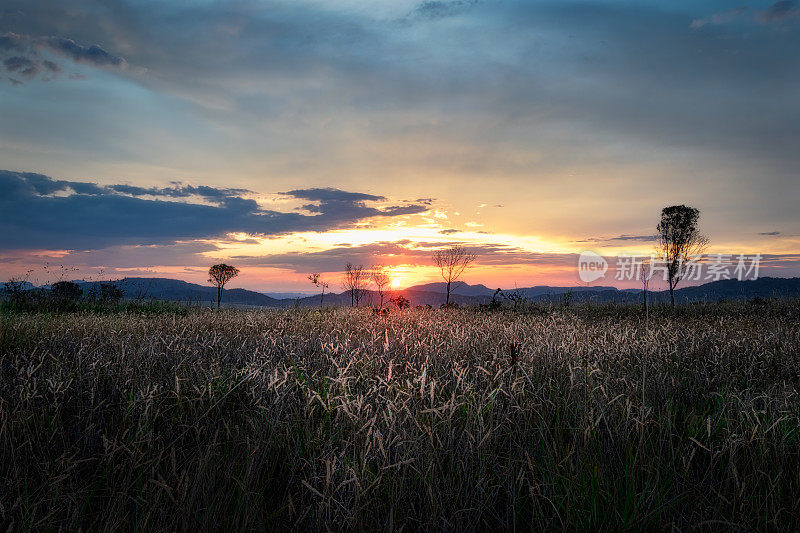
<point>396,283</point>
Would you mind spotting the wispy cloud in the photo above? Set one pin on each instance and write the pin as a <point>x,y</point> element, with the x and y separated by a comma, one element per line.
<point>723,17</point>
<point>778,12</point>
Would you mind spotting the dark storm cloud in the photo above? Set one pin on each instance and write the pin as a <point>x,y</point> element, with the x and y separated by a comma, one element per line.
<point>38,212</point>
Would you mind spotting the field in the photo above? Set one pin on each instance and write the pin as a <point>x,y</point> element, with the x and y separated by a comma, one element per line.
<point>585,417</point>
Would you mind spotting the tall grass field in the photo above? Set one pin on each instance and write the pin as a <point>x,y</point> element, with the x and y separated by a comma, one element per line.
<point>555,418</point>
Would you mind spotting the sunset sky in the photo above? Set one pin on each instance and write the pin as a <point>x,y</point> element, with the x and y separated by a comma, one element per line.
<point>142,138</point>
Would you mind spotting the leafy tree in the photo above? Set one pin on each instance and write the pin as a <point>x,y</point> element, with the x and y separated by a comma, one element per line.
<point>219,275</point>
<point>452,262</point>
<point>67,291</point>
<point>401,302</point>
<point>106,292</point>
<point>678,239</point>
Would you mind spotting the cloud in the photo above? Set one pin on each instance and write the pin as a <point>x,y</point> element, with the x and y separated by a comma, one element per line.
<point>177,190</point>
<point>335,203</point>
<point>38,212</point>
<point>770,233</point>
<point>12,42</point>
<point>31,68</point>
<point>403,252</point>
<point>29,63</point>
<point>779,12</point>
<point>51,66</point>
<point>331,195</point>
<point>22,65</point>
<point>521,91</point>
<point>645,238</point>
<point>624,237</point>
<point>437,9</point>
<point>724,17</point>
<point>92,55</point>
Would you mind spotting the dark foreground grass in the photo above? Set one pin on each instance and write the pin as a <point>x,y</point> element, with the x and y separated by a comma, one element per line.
<point>455,420</point>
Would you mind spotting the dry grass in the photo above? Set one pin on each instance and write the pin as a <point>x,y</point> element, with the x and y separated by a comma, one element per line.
<point>446,420</point>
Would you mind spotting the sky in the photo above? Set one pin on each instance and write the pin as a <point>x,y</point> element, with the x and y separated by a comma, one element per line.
<point>144,138</point>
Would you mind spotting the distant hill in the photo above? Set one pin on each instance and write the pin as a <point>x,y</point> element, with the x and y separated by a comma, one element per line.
<point>182,291</point>
<point>731,289</point>
<point>457,287</point>
<point>289,295</point>
<point>464,289</point>
<point>461,293</point>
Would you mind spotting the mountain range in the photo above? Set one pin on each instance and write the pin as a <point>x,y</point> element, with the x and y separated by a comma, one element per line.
<point>461,293</point>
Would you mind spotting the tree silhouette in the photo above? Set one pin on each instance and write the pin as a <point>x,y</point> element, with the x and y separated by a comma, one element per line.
<point>219,275</point>
<point>401,302</point>
<point>355,282</point>
<point>646,273</point>
<point>679,239</point>
<point>452,262</point>
<point>381,280</point>
<point>317,281</point>
<point>66,290</point>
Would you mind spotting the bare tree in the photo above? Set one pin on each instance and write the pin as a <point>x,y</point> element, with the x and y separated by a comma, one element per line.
<point>219,275</point>
<point>679,239</point>
<point>381,280</point>
<point>452,262</point>
<point>355,282</point>
<point>646,272</point>
<point>317,281</point>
